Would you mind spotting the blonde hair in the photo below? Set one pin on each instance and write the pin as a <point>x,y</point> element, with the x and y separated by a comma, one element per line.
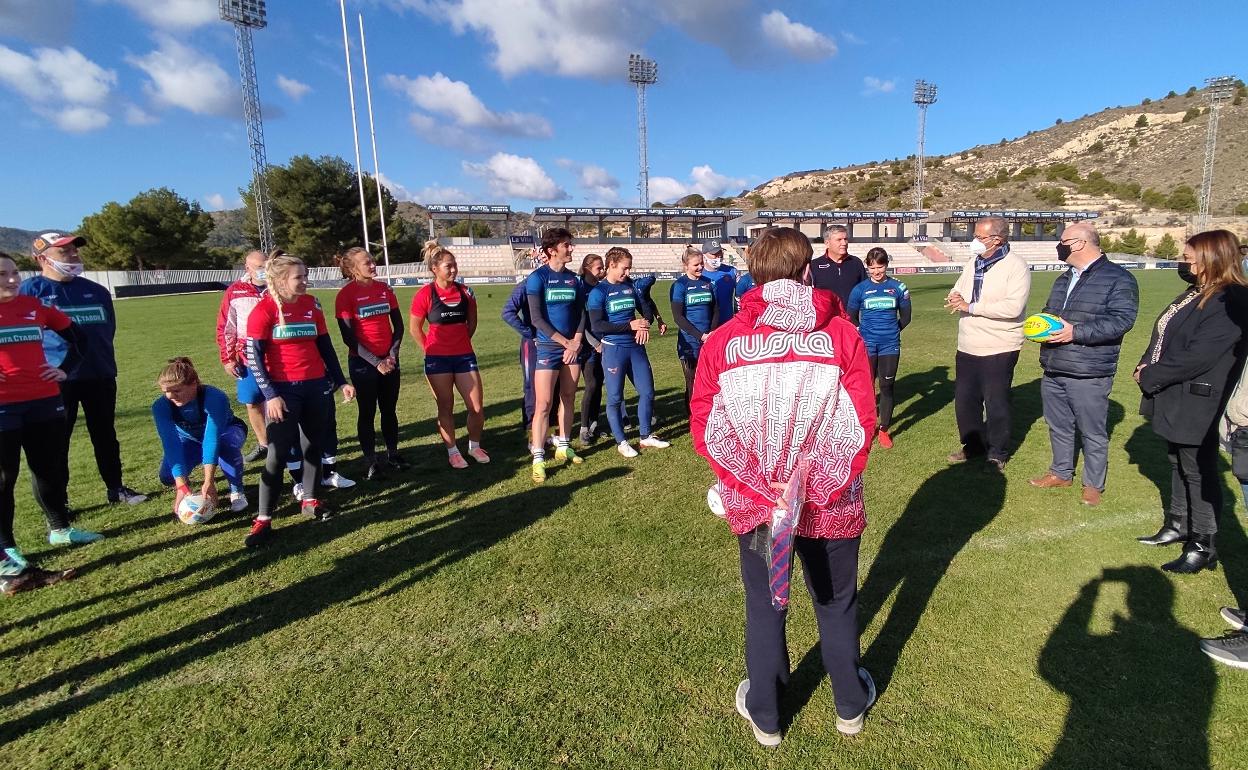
<point>346,261</point>
<point>435,254</point>
<point>178,371</point>
<point>278,268</point>
<point>1218,251</point>
<point>690,253</point>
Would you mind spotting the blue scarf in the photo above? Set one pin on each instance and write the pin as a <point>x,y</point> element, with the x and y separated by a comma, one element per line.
<point>983,265</point>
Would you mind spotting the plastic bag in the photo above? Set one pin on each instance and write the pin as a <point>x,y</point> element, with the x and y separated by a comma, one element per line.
<point>777,545</point>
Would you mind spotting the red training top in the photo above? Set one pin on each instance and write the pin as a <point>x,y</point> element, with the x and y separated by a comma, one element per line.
<point>291,354</point>
<point>367,306</point>
<point>22,321</point>
<point>448,320</point>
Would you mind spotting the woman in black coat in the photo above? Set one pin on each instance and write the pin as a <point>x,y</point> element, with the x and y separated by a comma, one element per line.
<point>1186,374</point>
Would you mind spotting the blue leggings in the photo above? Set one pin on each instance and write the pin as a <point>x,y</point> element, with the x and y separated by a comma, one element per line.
<point>229,457</point>
<point>627,360</point>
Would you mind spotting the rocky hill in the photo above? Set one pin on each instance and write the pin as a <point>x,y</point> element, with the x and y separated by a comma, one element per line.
<point>1140,162</point>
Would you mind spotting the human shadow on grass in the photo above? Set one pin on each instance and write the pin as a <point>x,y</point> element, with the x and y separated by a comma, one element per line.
<point>391,564</point>
<point>931,390</point>
<point>941,518</point>
<point>1141,692</point>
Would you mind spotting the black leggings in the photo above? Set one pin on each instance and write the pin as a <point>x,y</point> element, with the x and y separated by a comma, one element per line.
<point>372,390</point>
<point>49,469</point>
<point>591,400</point>
<point>884,369</point>
<point>690,365</point>
<point>308,420</point>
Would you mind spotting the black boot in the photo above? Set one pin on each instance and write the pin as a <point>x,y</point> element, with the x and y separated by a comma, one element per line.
<point>1198,553</point>
<point>1174,530</point>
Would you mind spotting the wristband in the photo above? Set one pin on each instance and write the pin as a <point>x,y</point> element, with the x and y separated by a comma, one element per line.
<point>184,489</point>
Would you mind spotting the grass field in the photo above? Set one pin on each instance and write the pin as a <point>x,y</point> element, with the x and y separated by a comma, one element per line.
<point>468,619</point>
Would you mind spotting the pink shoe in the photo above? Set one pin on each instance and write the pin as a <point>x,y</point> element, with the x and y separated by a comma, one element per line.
<point>458,461</point>
<point>479,455</point>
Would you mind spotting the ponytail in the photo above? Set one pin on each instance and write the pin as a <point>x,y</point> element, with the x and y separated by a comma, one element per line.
<point>178,371</point>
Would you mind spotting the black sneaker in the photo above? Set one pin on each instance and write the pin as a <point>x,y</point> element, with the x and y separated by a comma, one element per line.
<point>31,578</point>
<point>376,471</point>
<point>1231,650</point>
<point>259,453</point>
<point>1236,617</point>
<point>124,494</point>
<point>586,437</point>
<point>260,534</point>
<point>396,461</point>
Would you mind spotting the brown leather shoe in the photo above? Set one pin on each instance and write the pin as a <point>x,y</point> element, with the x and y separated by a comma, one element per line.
<point>1091,496</point>
<point>1049,481</point>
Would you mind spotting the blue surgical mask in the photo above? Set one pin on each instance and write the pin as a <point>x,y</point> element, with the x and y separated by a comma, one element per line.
<point>260,276</point>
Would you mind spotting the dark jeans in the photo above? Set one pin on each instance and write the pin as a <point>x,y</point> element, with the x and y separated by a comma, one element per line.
<point>98,399</point>
<point>831,571</point>
<point>309,418</point>
<point>982,387</point>
<point>47,460</point>
<point>1195,485</point>
<point>884,369</point>
<point>372,390</point>
<point>1073,404</point>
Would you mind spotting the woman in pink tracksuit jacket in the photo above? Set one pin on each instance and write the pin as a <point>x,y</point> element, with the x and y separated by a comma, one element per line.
<point>788,377</point>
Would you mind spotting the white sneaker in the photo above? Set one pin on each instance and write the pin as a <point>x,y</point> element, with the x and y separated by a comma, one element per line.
<point>654,442</point>
<point>238,502</point>
<point>766,739</point>
<point>297,491</point>
<point>854,726</point>
<point>337,481</point>
<point>627,450</point>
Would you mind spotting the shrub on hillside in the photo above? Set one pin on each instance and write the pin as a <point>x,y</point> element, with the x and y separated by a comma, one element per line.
<point>1141,121</point>
<point>1191,114</point>
<point>1166,248</point>
<point>1182,198</point>
<point>1242,209</point>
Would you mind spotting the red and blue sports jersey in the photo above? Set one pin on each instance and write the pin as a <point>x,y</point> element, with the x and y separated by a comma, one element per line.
<point>290,354</point>
<point>22,323</point>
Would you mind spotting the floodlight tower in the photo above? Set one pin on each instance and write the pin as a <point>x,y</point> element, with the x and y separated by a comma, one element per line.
<point>924,96</point>
<point>1218,91</point>
<point>247,15</point>
<point>641,73</point>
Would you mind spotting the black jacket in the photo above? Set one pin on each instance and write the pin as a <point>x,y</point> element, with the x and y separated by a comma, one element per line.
<point>838,277</point>
<point>1186,390</point>
<point>1102,306</point>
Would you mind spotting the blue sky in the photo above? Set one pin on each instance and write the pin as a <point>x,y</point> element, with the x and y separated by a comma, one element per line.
<point>524,101</point>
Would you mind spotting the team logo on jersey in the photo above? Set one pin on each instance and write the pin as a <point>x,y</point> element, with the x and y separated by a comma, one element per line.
<point>13,335</point>
<point>373,309</point>
<point>879,303</point>
<point>294,330</point>
<point>557,294</point>
<point>621,303</point>
<point>698,297</point>
<point>85,315</point>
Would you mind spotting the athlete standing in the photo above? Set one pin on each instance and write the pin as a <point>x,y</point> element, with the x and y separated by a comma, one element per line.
<point>880,308</point>
<point>372,329</point>
<point>592,271</point>
<point>450,363</point>
<point>695,313</point>
<point>236,305</point>
<point>516,315</point>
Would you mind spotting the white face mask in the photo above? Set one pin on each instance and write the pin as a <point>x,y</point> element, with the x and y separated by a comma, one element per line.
<point>712,262</point>
<point>68,269</point>
<point>977,247</point>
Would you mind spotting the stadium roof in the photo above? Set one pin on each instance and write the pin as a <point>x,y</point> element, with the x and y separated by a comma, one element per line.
<point>767,216</point>
<point>456,211</point>
<point>963,215</point>
<point>550,214</point>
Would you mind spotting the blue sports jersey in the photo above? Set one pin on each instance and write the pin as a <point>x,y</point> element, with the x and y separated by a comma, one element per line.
<point>90,306</point>
<point>725,280</point>
<point>561,297</point>
<point>877,305</point>
<point>744,284</point>
<point>698,297</point>
<point>618,303</point>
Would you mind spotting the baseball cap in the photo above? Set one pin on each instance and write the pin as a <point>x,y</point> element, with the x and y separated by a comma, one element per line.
<point>711,247</point>
<point>55,241</point>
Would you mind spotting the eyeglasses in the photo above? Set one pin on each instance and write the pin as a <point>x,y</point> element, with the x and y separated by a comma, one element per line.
<point>986,237</point>
<point>1070,241</point>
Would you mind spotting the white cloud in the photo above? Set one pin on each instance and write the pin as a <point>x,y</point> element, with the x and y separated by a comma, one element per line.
<point>180,76</point>
<point>596,181</point>
<point>295,89</point>
<point>703,180</point>
<point>851,38</point>
<point>455,99</point>
<point>438,194</point>
<point>446,135</point>
<point>61,85</point>
<point>798,39</point>
<point>38,21</point>
<point>174,14</point>
<point>214,201</point>
<point>511,176</point>
<point>137,116</point>
<point>872,85</point>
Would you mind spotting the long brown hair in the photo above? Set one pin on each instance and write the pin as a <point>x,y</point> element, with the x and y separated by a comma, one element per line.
<point>589,260</point>
<point>346,261</point>
<point>1218,252</point>
<point>779,252</point>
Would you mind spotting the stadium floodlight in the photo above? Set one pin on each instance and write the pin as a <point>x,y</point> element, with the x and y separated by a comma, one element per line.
<point>247,15</point>
<point>642,72</point>
<point>924,96</point>
<point>1218,91</point>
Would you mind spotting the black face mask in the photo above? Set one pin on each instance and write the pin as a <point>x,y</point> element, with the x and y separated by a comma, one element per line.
<point>1185,272</point>
<point>1063,251</point>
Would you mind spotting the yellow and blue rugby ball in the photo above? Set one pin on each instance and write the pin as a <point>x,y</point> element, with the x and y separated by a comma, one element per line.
<point>1038,327</point>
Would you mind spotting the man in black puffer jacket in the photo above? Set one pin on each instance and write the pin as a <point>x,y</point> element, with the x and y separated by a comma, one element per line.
<point>1097,301</point>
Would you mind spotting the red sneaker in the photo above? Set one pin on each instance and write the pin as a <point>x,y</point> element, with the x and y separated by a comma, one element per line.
<point>261,532</point>
<point>313,509</point>
<point>885,440</point>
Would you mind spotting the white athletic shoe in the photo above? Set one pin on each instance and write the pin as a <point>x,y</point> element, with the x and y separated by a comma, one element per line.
<point>337,481</point>
<point>297,491</point>
<point>854,726</point>
<point>764,738</point>
<point>654,442</point>
<point>627,450</point>
<point>238,502</point>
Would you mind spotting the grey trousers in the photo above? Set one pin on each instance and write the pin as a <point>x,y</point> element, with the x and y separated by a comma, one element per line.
<point>1071,405</point>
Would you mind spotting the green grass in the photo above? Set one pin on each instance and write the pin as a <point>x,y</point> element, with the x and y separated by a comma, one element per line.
<point>468,619</point>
